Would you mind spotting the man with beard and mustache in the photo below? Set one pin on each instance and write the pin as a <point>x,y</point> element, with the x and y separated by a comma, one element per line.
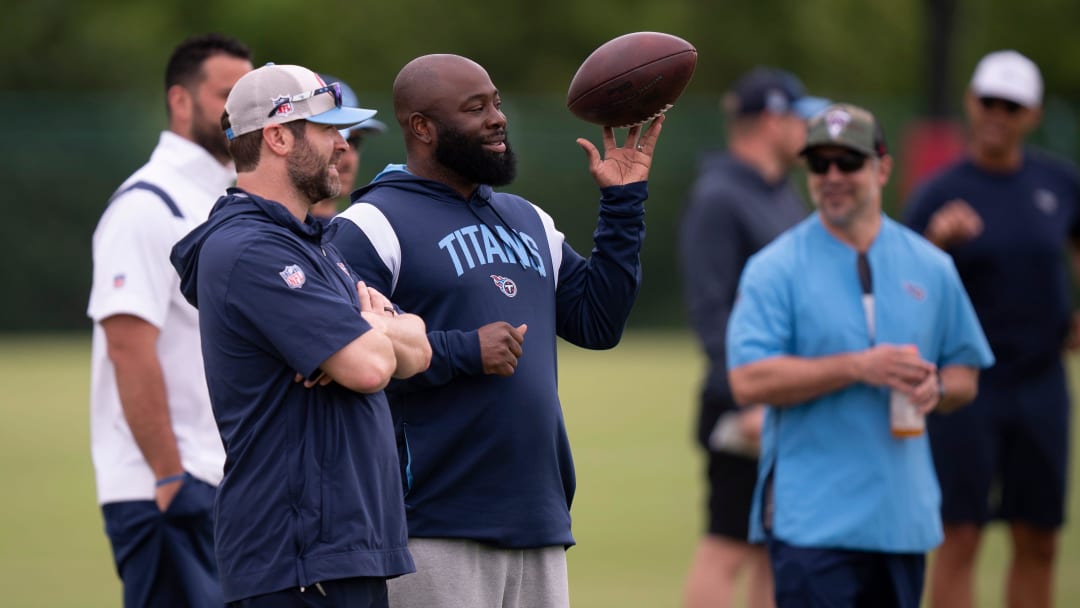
<point>349,165</point>
<point>1009,215</point>
<point>297,352</point>
<point>841,322</point>
<point>488,473</point>
<point>741,199</point>
<point>157,454</point>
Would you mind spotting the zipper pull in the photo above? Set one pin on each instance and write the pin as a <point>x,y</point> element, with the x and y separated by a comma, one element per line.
<point>318,587</point>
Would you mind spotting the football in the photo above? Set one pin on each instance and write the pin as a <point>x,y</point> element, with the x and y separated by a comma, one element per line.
<point>631,79</point>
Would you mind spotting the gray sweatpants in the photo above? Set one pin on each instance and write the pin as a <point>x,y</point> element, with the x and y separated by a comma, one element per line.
<point>455,573</point>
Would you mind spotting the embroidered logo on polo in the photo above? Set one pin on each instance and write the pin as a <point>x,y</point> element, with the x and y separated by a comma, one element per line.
<point>914,290</point>
<point>505,285</point>
<point>293,276</point>
<point>1046,201</point>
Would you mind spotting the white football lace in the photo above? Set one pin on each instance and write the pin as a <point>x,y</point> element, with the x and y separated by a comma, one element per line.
<point>646,119</point>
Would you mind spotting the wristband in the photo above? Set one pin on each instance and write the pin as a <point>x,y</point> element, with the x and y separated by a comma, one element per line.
<point>940,388</point>
<point>164,481</point>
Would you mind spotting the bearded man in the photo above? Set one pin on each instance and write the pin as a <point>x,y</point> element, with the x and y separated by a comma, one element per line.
<point>484,453</point>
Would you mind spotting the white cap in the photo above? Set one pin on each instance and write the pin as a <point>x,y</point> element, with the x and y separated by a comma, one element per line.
<point>277,94</point>
<point>1008,75</point>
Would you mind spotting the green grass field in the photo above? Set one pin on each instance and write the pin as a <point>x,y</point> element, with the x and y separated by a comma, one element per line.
<point>636,516</point>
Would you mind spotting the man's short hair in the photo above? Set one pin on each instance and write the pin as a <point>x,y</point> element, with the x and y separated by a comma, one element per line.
<point>185,65</point>
<point>245,149</point>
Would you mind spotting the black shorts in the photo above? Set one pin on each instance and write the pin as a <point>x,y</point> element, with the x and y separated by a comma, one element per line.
<point>809,576</point>
<point>1005,455</point>
<point>731,491</point>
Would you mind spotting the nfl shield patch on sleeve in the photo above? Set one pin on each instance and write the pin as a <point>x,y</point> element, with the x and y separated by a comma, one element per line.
<point>293,276</point>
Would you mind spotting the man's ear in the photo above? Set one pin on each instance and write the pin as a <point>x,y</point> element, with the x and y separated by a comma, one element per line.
<point>422,128</point>
<point>181,108</point>
<point>885,167</point>
<point>278,138</point>
<point>1031,119</point>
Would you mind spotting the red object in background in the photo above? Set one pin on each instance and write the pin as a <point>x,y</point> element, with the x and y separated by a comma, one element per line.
<point>927,147</point>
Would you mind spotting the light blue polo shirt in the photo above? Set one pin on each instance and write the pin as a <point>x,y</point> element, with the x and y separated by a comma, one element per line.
<point>840,479</point>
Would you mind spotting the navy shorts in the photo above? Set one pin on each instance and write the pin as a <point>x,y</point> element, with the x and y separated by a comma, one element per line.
<point>358,592</point>
<point>166,559</point>
<point>1005,455</point>
<point>731,491</point>
<point>820,578</point>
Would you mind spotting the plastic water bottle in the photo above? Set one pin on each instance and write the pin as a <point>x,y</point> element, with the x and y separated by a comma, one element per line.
<point>904,418</point>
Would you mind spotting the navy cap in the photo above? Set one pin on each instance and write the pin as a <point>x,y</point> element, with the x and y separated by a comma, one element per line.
<point>765,89</point>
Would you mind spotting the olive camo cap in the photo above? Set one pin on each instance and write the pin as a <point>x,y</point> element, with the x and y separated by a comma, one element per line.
<point>846,126</point>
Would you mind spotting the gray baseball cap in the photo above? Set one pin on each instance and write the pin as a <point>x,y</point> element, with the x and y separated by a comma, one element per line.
<point>277,94</point>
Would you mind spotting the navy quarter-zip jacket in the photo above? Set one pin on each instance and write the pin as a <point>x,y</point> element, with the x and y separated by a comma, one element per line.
<point>312,489</point>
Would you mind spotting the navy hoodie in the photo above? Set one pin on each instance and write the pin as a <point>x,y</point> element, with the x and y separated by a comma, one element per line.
<point>312,489</point>
<point>487,457</point>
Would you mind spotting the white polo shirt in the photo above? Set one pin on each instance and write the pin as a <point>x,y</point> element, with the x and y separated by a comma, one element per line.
<point>133,275</point>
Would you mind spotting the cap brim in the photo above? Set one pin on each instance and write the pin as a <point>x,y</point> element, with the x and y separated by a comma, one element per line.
<point>808,107</point>
<point>342,117</point>
<point>839,144</point>
<point>1005,92</point>
<point>371,125</point>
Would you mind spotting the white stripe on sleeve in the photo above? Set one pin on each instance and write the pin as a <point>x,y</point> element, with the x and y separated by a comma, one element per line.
<point>374,224</point>
<point>555,241</point>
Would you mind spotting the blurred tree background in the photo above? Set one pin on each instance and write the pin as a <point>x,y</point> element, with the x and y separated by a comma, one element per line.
<point>81,84</point>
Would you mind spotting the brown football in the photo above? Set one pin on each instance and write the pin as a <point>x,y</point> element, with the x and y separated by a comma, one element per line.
<point>631,79</point>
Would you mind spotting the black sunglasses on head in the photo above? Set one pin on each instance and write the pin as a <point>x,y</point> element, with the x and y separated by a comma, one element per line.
<point>848,162</point>
<point>989,103</point>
